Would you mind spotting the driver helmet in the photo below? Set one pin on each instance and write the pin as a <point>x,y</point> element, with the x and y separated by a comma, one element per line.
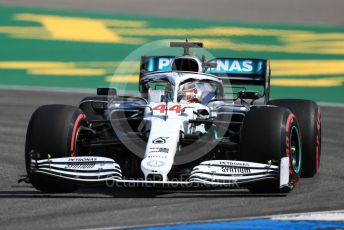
<point>190,93</point>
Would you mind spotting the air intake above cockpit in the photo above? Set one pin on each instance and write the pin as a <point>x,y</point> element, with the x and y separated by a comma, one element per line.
<point>186,64</point>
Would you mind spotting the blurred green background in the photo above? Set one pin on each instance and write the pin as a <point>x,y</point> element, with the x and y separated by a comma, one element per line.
<point>77,49</point>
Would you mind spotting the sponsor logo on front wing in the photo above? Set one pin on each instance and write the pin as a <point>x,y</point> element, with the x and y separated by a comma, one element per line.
<point>234,163</point>
<point>83,159</point>
<point>81,166</point>
<point>81,163</point>
<point>235,169</point>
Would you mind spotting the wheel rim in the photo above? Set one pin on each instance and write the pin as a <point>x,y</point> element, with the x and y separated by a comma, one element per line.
<point>295,149</point>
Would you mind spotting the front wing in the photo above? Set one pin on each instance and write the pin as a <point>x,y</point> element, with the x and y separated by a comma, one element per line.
<point>95,170</point>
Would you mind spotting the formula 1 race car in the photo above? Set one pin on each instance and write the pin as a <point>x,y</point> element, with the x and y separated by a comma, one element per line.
<point>195,123</point>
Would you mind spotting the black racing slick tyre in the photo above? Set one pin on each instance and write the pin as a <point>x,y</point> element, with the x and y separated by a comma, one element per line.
<point>52,133</point>
<point>268,134</point>
<point>309,117</point>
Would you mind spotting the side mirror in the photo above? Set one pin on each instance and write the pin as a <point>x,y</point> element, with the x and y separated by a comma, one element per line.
<point>253,95</point>
<point>99,107</point>
<point>107,91</point>
<point>209,65</point>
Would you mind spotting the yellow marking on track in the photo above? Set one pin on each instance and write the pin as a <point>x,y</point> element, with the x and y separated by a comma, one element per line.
<point>87,30</point>
<point>110,22</point>
<point>68,71</point>
<point>210,31</point>
<point>34,64</point>
<point>72,68</point>
<point>124,23</point>
<point>23,31</point>
<point>97,64</point>
<point>81,29</point>
<point>320,82</point>
<point>306,67</point>
<point>123,79</point>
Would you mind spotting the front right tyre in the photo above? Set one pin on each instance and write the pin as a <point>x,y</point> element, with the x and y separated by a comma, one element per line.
<point>268,134</point>
<point>309,117</point>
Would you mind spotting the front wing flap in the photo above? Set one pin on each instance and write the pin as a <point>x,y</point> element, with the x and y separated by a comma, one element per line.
<point>83,169</point>
<point>214,173</point>
<point>236,172</point>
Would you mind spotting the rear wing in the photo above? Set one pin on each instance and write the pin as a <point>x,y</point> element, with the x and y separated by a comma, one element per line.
<point>232,71</point>
<point>240,70</point>
<point>155,63</point>
<point>243,71</point>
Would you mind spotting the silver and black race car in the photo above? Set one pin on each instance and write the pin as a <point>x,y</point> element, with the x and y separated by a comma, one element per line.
<point>194,123</point>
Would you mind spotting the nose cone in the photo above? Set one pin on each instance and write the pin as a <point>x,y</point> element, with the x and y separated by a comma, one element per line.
<point>156,166</point>
<point>161,146</point>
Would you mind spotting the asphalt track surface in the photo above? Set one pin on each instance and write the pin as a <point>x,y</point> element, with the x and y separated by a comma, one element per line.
<point>22,207</point>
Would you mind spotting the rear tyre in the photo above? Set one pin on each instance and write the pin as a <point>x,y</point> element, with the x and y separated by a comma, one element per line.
<point>267,135</point>
<point>309,117</point>
<point>52,132</point>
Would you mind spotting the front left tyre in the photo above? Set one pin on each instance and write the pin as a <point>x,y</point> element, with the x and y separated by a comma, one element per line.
<point>52,133</point>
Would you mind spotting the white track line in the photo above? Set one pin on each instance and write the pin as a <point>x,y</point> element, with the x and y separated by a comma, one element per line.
<point>324,216</point>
